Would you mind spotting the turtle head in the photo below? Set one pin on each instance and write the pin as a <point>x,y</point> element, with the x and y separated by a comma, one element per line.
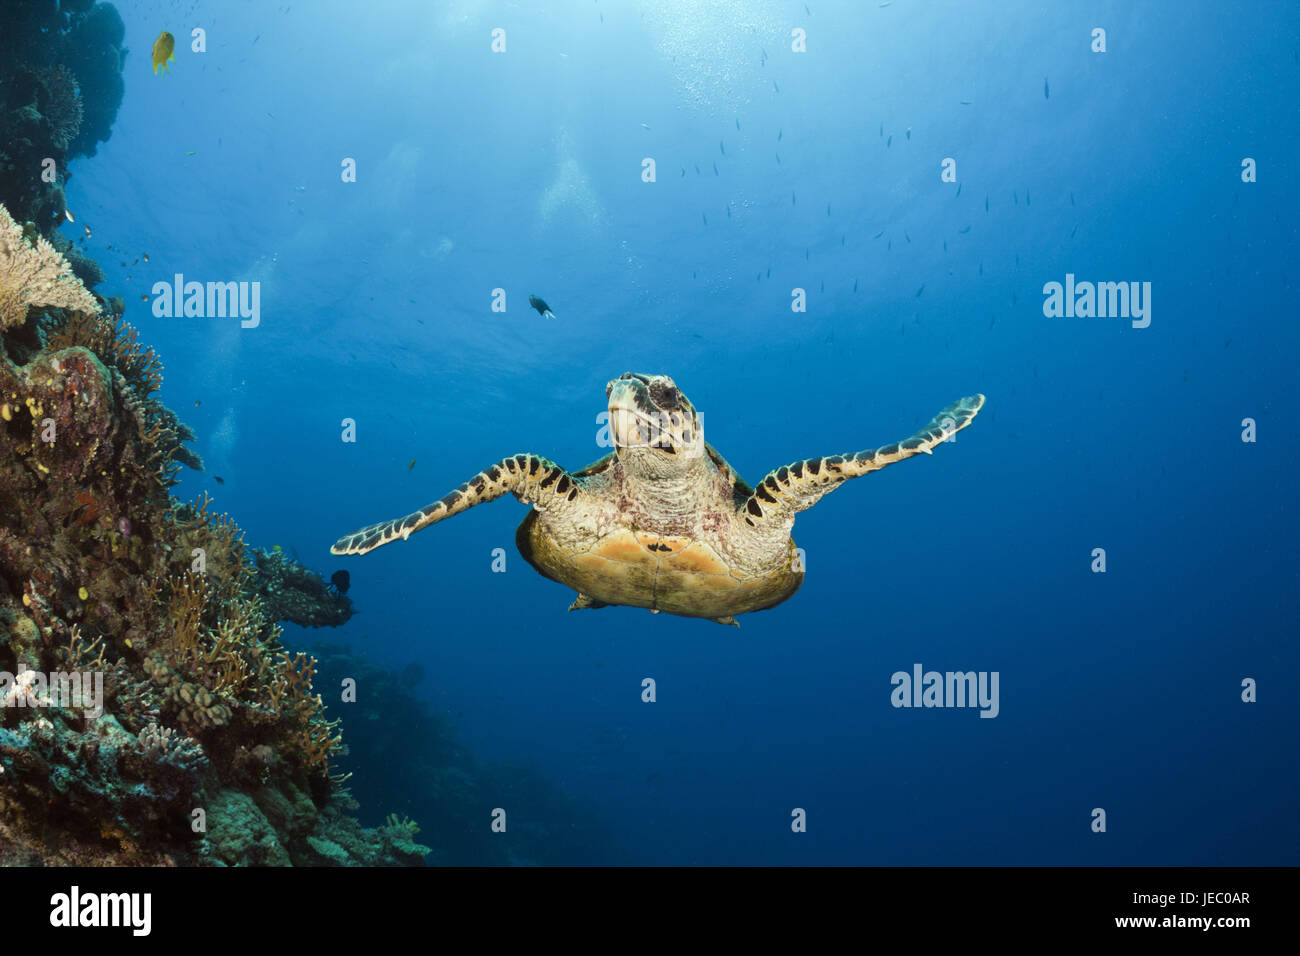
<point>655,427</point>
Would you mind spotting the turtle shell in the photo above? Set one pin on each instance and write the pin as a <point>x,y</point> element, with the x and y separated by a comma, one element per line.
<point>679,575</point>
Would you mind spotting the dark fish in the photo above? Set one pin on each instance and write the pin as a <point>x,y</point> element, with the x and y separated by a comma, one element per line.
<point>793,200</point>
<point>341,581</point>
<point>715,167</point>
<point>778,159</point>
<point>882,130</point>
<point>542,308</point>
<point>697,169</point>
<point>1027,202</point>
<point>981,268</point>
<point>828,210</point>
<point>683,170</point>
<point>879,234</point>
<point>778,135</point>
<point>705,218</point>
<point>889,142</point>
<point>920,290</point>
<point>1074,230</point>
<point>986,202</point>
<point>411,465</point>
<point>728,212</point>
<point>769,272</point>
<point>959,185</point>
<point>964,229</point>
<point>197,403</point>
<point>945,245</point>
<point>722,148</point>
<point>737,122</point>
<point>220,480</point>
<point>775,87</point>
<point>907,237</point>
<point>1071,199</point>
<point>855,285</point>
<point>1047,93</point>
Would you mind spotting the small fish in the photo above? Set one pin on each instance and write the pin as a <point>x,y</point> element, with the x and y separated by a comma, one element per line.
<point>697,169</point>
<point>908,132</point>
<point>1071,199</point>
<point>885,4</point>
<point>542,308</point>
<point>197,402</point>
<point>779,134</point>
<point>683,171</point>
<point>645,126</point>
<point>728,212</point>
<point>966,102</point>
<point>806,10</point>
<point>959,185</point>
<point>219,479</point>
<point>411,466</point>
<point>907,237</point>
<point>715,167</point>
<point>1074,230</point>
<point>981,268</point>
<point>705,218</point>
<point>276,548</point>
<point>737,122</point>
<point>828,210</point>
<point>879,234</point>
<point>68,214</point>
<point>144,298</point>
<point>778,159</point>
<point>945,245</point>
<point>986,202</point>
<point>889,244</point>
<point>89,234</point>
<point>341,581</point>
<point>721,148</point>
<point>882,130</point>
<point>855,285</point>
<point>1047,93</point>
<point>889,142</point>
<point>775,87</point>
<point>964,229</point>
<point>793,201</point>
<point>145,257</point>
<point>191,153</point>
<point>1027,202</point>
<point>920,290</point>
<point>164,49</point>
<point>769,272</point>
<point>135,262</point>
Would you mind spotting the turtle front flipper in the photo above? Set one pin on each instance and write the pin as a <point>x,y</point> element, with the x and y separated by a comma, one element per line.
<point>530,478</point>
<point>798,486</point>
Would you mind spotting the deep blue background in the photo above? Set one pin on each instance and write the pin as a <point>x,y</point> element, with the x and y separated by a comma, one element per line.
<point>522,171</point>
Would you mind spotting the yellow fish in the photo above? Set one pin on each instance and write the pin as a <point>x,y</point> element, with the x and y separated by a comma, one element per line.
<point>163,48</point>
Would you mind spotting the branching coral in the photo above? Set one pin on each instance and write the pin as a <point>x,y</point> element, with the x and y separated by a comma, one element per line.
<point>34,274</point>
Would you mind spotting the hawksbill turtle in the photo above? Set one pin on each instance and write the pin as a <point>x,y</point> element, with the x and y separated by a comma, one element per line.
<point>663,522</point>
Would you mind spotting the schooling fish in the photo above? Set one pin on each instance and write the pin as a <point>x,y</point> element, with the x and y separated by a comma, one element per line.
<point>411,465</point>
<point>542,308</point>
<point>163,50</point>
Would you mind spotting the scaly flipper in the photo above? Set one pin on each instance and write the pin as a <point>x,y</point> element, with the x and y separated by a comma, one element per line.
<point>530,478</point>
<point>798,486</point>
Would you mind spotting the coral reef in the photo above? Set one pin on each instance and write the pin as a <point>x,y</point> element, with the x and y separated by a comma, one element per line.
<point>60,89</point>
<point>290,591</point>
<point>34,274</point>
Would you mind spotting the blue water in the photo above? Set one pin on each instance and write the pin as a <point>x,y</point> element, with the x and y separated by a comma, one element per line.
<point>522,171</point>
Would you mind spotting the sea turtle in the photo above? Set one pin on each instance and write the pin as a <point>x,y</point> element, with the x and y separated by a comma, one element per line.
<point>663,522</point>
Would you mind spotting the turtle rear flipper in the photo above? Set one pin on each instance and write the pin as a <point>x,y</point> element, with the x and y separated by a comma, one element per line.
<point>530,478</point>
<point>800,485</point>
